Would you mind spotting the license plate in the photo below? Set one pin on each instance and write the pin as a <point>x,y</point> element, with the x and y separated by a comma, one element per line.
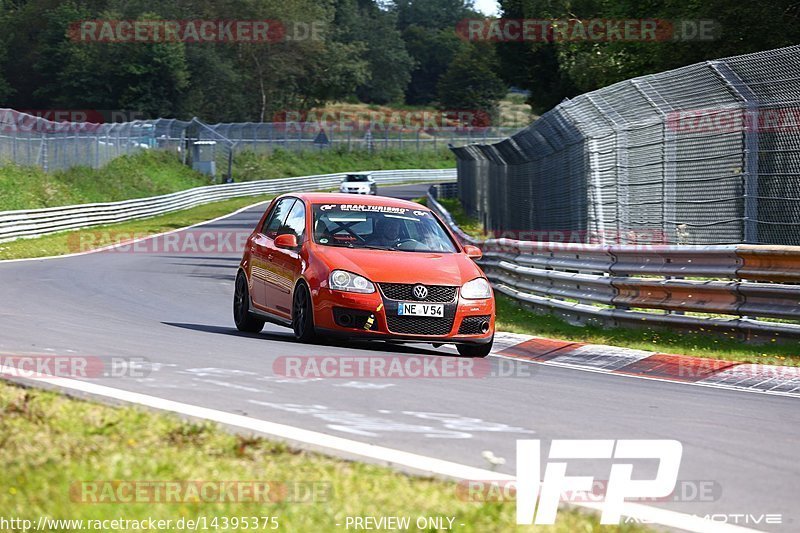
<point>433,310</point>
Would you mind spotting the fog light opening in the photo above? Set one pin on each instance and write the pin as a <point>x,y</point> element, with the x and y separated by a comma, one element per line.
<point>484,326</point>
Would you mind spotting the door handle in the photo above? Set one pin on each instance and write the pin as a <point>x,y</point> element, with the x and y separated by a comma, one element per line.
<point>269,257</point>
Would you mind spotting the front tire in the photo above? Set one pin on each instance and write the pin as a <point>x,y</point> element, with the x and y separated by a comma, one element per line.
<point>475,350</point>
<point>242,317</point>
<point>303,315</point>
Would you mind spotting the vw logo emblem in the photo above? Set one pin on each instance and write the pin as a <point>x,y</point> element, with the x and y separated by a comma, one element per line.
<point>420,292</point>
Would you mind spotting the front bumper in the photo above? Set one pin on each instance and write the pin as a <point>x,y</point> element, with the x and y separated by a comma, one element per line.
<point>373,316</point>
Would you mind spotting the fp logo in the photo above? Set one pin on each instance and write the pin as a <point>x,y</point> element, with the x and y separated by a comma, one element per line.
<point>620,484</point>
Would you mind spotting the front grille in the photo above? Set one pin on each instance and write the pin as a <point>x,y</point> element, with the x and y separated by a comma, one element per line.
<point>419,325</point>
<point>471,325</point>
<point>403,292</point>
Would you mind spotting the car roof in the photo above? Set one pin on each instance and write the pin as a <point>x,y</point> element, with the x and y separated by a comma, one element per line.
<point>333,198</point>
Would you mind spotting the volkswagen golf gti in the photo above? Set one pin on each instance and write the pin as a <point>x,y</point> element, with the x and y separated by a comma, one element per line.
<point>363,267</point>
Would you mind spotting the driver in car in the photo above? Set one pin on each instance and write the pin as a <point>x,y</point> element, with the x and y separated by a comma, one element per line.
<point>387,232</point>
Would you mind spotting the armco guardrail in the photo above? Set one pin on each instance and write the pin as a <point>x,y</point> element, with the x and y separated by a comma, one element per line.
<point>735,288</point>
<point>36,222</point>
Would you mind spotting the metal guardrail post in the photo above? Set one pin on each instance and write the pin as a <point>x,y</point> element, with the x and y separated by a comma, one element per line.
<point>750,164</point>
<point>579,282</point>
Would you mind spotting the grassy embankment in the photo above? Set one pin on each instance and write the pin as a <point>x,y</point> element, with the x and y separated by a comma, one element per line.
<point>50,443</point>
<point>153,173</point>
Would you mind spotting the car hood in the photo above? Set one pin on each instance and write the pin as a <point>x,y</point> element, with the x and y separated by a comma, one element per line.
<point>402,267</point>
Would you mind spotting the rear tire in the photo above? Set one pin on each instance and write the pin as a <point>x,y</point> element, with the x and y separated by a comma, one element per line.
<point>242,317</point>
<point>475,350</point>
<point>303,315</point>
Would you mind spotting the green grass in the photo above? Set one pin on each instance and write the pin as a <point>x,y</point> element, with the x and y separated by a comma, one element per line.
<point>154,172</point>
<point>514,318</point>
<point>282,163</point>
<point>65,242</point>
<point>147,173</point>
<point>50,443</point>
<point>468,224</point>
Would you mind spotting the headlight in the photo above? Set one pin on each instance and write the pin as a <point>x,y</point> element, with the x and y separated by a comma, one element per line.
<point>477,289</point>
<point>342,280</point>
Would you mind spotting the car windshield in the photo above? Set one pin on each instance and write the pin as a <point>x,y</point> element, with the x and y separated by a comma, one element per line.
<point>380,227</point>
<point>358,178</point>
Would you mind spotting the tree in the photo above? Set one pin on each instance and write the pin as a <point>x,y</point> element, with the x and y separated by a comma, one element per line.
<point>472,84</point>
<point>552,71</point>
<point>5,88</point>
<point>433,52</point>
<point>389,64</point>
<point>300,74</point>
<point>433,14</point>
<point>428,28</point>
<point>148,78</point>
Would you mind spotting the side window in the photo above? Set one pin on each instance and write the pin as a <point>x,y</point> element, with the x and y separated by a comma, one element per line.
<point>296,223</point>
<point>277,217</point>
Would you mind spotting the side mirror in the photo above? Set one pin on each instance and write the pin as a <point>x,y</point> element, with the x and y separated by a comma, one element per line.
<point>473,252</point>
<point>286,240</point>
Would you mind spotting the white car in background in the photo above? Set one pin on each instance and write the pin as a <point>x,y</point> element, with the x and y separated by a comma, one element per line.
<point>359,183</point>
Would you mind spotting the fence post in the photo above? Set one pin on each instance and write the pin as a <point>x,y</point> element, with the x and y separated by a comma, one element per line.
<point>44,153</point>
<point>670,177</point>
<point>750,164</point>
<point>623,178</point>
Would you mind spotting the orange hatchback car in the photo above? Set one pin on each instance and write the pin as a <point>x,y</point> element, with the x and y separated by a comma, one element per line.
<point>367,267</point>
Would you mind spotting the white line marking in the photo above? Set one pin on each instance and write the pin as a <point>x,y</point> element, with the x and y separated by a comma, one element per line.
<point>390,456</point>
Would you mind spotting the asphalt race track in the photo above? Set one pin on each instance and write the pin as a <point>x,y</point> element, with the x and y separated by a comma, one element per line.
<point>174,310</point>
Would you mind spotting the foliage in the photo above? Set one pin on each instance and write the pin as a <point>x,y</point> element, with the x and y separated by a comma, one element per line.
<point>389,64</point>
<point>553,71</point>
<point>375,51</point>
<point>471,83</point>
